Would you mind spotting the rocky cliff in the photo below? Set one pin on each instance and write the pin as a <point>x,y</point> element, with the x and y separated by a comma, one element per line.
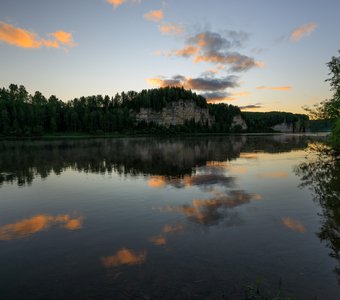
<point>290,127</point>
<point>176,113</point>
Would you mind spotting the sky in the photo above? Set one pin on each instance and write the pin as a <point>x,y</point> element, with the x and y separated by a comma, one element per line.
<point>261,55</point>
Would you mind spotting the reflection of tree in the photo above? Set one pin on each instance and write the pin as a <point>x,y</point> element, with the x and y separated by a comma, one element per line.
<point>22,161</point>
<point>321,173</point>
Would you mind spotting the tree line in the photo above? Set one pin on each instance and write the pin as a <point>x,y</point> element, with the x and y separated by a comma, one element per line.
<point>23,114</point>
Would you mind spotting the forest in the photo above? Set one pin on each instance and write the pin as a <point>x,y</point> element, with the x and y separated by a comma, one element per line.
<point>25,115</point>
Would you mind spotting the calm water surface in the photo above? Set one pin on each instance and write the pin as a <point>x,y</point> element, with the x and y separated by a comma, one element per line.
<point>147,218</point>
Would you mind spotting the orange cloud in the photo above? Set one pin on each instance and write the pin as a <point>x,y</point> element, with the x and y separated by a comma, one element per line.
<point>275,88</point>
<point>27,227</point>
<point>23,38</point>
<point>293,225</point>
<point>158,240</point>
<point>225,97</point>
<point>171,28</point>
<point>116,3</point>
<point>124,256</point>
<point>302,31</point>
<point>63,37</point>
<point>154,15</point>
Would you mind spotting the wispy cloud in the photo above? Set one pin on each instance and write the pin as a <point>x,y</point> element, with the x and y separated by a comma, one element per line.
<point>275,88</point>
<point>154,15</point>
<point>218,49</point>
<point>171,29</point>
<point>251,106</point>
<point>302,31</point>
<point>23,38</point>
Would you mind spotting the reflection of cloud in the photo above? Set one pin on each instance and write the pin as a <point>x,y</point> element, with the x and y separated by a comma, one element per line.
<point>197,180</point>
<point>154,15</point>
<point>172,228</point>
<point>27,39</point>
<point>157,181</point>
<point>158,240</point>
<point>302,31</point>
<point>238,169</point>
<point>248,155</point>
<point>212,211</point>
<point>274,175</point>
<point>293,225</point>
<point>38,223</point>
<point>124,256</point>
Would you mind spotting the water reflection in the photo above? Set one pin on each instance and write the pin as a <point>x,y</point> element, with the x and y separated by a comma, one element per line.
<point>124,256</point>
<point>214,210</point>
<point>293,225</point>
<point>23,161</point>
<point>321,174</point>
<point>30,226</point>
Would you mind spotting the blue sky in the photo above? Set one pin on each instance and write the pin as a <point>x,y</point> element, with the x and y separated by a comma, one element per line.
<point>266,54</point>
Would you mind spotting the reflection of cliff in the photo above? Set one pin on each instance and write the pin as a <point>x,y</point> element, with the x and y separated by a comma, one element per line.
<point>321,175</point>
<point>22,161</point>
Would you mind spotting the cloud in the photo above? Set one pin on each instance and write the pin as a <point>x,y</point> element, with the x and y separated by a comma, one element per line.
<point>116,3</point>
<point>274,88</point>
<point>220,97</point>
<point>171,29</point>
<point>214,97</point>
<point>302,31</point>
<point>27,227</point>
<point>251,106</point>
<point>198,84</point>
<point>23,38</point>
<point>293,225</point>
<point>124,256</point>
<point>154,15</point>
<point>212,47</point>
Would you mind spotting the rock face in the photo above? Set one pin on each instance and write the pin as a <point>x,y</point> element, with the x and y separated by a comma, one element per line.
<point>239,121</point>
<point>289,127</point>
<point>176,113</point>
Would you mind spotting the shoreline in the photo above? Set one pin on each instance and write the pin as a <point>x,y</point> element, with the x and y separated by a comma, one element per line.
<point>129,135</point>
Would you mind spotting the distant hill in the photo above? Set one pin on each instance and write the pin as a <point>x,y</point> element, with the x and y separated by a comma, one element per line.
<point>167,110</point>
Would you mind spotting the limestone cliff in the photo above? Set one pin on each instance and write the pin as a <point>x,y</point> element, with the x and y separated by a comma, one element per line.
<point>239,121</point>
<point>289,127</point>
<point>176,113</point>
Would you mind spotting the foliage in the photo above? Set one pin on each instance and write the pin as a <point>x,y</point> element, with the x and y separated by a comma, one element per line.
<point>263,121</point>
<point>321,174</point>
<point>22,114</point>
<point>330,108</point>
